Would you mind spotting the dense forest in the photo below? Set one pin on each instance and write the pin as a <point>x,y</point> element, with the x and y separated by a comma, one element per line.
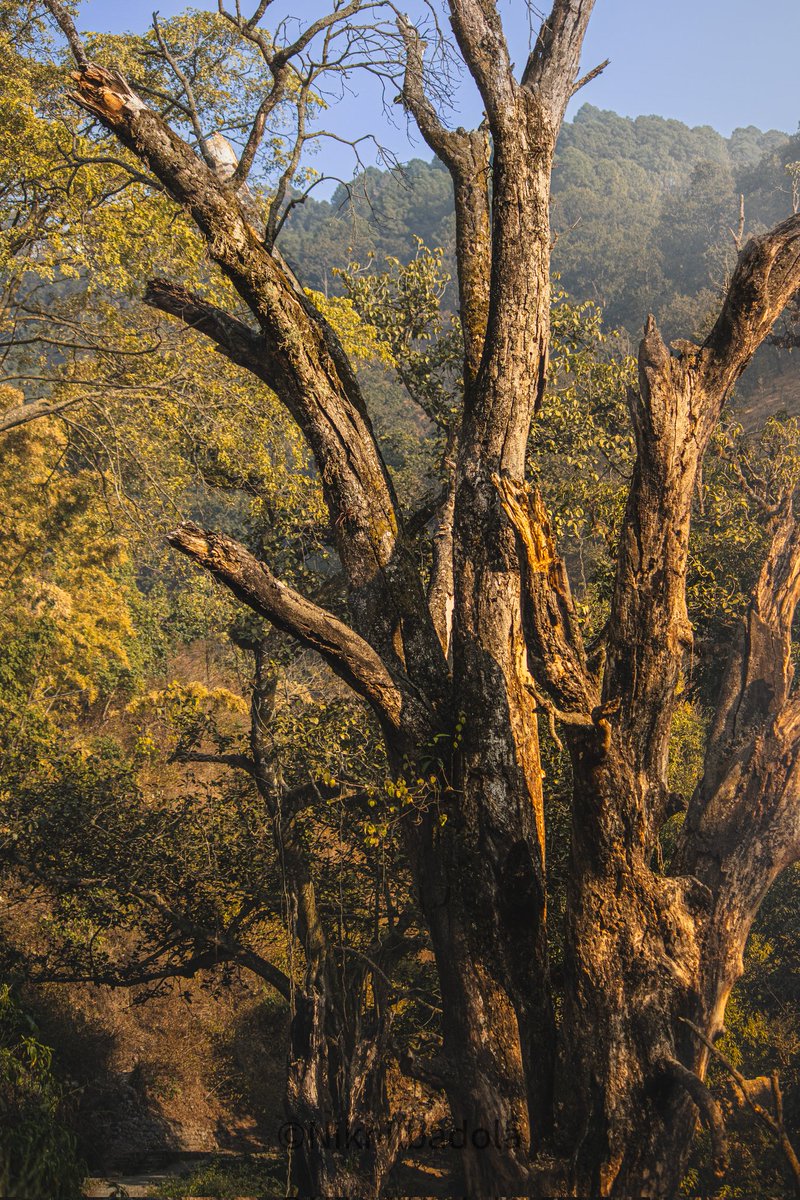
<point>224,801</point>
<point>644,213</point>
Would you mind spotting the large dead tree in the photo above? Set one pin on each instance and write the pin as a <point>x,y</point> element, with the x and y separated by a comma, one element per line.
<point>604,1101</point>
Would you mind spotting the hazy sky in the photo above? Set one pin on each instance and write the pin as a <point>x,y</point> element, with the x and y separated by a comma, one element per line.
<point>724,63</point>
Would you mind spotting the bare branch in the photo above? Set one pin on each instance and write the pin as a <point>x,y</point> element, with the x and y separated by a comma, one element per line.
<point>249,29</point>
<point>274,215</point>
<point>590,75</point>
<point>23,414</point>
<point>67,27</point>
<point>765,280</point>
<point>350,656</point>
<point>649,631</point>
<point>310,372</point>
<point>709,1111</point>
<point>257,129</point>
<point>339,14</point>
<point>444,142</point>
<point>183,80</point>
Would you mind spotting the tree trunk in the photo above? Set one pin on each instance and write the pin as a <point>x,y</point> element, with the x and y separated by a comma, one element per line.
<point>633,968</point>
<point>339,1134</point>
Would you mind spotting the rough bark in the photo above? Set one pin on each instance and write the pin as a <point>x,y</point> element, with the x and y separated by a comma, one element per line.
<point>343,1141</point>
<point>302,360</point>
<point>440,587</point>
<point>646,950</point>
<point>492,949</point>
<point>466,154</point>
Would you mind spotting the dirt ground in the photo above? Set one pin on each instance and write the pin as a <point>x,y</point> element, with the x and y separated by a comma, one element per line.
<point>415,1179</point>
<point>122,1187</point>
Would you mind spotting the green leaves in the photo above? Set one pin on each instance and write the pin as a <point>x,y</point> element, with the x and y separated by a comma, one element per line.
<point>38,1154</point>
<point>747,477</point>
<point>403,304</point>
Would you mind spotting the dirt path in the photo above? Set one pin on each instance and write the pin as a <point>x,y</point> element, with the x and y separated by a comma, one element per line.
<point>122,1187</point>
<point>420,1179</point>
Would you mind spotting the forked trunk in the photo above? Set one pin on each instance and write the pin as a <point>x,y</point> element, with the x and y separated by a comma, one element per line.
<point>339,1135</point>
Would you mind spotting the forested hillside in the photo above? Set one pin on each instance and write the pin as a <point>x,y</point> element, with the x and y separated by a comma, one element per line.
<point>645,213</point>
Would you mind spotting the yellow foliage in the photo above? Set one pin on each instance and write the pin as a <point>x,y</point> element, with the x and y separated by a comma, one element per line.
<point>60,569</point>
<point>361,340</point>
<point>178,698</point>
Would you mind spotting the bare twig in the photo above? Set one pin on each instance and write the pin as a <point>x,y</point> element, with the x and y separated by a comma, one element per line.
<point>183,80</point>
<point>709,1111</point>
<point>775,1124</point>
<point>589,76</point>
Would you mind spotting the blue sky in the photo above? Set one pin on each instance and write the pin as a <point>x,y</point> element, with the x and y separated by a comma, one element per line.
<point>724,63</point>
